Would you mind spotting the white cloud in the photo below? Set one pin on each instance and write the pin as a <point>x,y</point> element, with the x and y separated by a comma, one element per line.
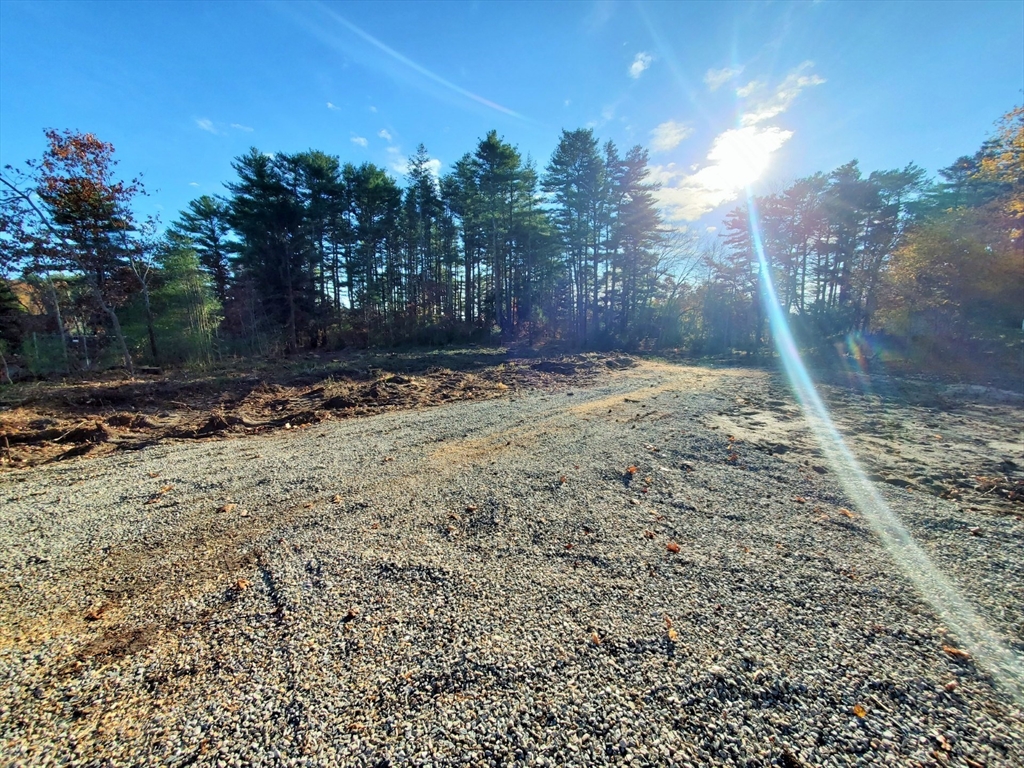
<point>333,107</point>
<point>641,62</point>
<point>394,151</point>
<point>206,124</point>
<point>372,109</point>
<point>745,90</point>
<point>193,183</point>
<point>608,112</point>
<point>362,142</point>
<point>384,134</point>
<point>716,78</point>
<point>783,96</point>
<point>238,127</point>
<point>401,165</point>
<point>738,157</point>
<point>668,135</point>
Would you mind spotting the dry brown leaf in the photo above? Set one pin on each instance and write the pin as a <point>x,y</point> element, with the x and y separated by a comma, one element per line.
<point>352,613</point>
<point>672,547</point>
<point>336,499</point>
<point>859,710</point>
<point>242,584</point>
<point>471,507</point>
<point>309,505</point>
<point>799,499</point>
<point>672,634</point>
<point>635,502</point>
<point>568,546</point>
<point>96,612</point>
<point>648,534</point>
<point>956,652</point>
<point>154,474</point>
<point>229,507</point>
<point>632,469</point>
<point>846,513</point>
<point>563,479</point>
<point>389,458</point>
<point>951,686</point>
<point>595,638</point>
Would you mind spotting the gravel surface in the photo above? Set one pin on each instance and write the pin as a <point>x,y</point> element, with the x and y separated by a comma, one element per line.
<point>617,574</point>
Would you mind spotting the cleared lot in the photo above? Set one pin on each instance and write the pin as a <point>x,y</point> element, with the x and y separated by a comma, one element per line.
<point>652,569</point>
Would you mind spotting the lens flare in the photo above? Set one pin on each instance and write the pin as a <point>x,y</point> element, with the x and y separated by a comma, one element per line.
<point>989,651</point>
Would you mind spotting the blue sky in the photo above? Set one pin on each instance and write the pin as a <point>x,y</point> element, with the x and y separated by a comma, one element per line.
<point>724,94</point>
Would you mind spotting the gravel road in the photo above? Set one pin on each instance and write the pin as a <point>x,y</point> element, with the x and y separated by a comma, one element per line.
<point>616,574</point>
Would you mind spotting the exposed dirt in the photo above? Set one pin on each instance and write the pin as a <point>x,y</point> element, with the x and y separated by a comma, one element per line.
<point>44,422</point>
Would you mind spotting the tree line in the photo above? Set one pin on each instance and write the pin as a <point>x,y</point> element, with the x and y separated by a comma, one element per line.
<point>305,251</point>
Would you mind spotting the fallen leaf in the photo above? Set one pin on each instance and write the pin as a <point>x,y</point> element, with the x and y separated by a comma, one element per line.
<point>800,500</point>
<point>668,623</point>
<point>309,505</point>
<point>648,480</point>
<point>563,479</point>
<point>229,507</point>
<point>672,547</point>
<point>595,638</point>
<point>336,499</point>
<point>242,584</point>
<point>632,470</point>
<point>859,711</point>
<point>471,507</point>
<point>352,613</point>
<point>846,513</point>
<point>568,546</point>
<point>951,686</point>
<point>956,652</point>
<point>635,502</point>
<point>154,474</point>
<point>389,458</point>
<point>648,534</point>
<point>672,634</point>
<point>96,612</point>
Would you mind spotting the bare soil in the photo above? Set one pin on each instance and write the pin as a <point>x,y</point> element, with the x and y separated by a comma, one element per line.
<point>44,422</point>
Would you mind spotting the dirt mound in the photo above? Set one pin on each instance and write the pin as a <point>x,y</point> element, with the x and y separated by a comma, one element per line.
<point>45,422</point>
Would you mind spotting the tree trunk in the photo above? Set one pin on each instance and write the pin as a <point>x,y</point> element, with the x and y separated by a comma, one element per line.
<point>116,324</point>
<point>60,321</point>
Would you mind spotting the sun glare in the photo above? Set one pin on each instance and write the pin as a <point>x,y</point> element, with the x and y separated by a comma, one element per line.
<point>740,156</point>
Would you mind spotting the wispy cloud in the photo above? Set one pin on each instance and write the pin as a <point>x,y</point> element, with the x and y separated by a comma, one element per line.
<point>362,142</point>
<point>738,157</point>
<point>783,96</point>
<point>669,135</point>
<point>716,78</point>
<point>372,109</point>
<point>333,107</point>
<point>405,61</point>
<point>193,183</point>
<point>239,127</point>
<point>207,125</point>
<point>745,90</point>
<point>640,63</point>
<point>384,134</point>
